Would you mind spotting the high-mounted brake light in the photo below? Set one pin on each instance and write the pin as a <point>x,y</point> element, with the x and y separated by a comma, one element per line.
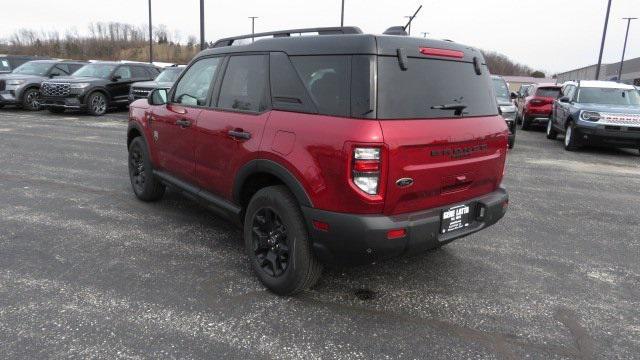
<point>366,169</point>
<point>441,52</point>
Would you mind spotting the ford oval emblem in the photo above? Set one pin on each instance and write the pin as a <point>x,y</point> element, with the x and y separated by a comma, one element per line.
<point>404,182</point>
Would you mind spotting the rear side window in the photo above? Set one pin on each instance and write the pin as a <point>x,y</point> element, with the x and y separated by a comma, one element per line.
<point>548,92</point>
<point>4,65</point>
<point>139,72</point>
<point>327,81</point>
<point>429,84</point>
<point>244,87</point>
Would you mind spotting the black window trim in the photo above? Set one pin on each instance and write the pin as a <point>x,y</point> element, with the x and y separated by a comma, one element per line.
<point>218,86</point>
<point>212,88</point>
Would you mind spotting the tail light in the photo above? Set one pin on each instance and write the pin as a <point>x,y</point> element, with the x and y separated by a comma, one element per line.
<point>366,169</point>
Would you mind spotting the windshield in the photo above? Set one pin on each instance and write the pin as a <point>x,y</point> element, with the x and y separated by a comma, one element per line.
<point>4,65</point>
<point>552,92</point>
<point>432,88</point>
<point>33,68</point>
<point>609,96</point>
<point>95,70</point>
<point>169,75</point>
<point>501,89</point>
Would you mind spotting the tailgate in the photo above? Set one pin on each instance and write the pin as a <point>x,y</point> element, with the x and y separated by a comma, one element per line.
<point>450,160</point>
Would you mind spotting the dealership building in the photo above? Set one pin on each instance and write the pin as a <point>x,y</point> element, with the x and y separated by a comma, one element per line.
<point>630,72</point>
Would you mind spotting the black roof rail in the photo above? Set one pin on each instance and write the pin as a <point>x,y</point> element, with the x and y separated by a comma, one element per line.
<point>345,30</point>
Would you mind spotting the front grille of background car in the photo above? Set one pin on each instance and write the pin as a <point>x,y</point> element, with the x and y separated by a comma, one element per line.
<point>619,119</point>
<point>55,89</point>
<point>140,93</point>
<point>2,85</point>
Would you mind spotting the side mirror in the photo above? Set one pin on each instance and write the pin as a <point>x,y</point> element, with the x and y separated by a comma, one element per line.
<point>116,77</point>
<point>514,96</point>
<point>157,97</point>
<point>564,99</point>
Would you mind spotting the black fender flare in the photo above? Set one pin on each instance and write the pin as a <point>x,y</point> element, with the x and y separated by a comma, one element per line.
<point>135,126</point>
<point>275,169</point>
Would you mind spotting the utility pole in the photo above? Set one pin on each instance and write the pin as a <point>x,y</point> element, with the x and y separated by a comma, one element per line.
<point>202,43</point>
<point>253,26</point>
<point>150,36</point>
<point>604,35</point>
<point>342,15</point>
<point>624,48</point>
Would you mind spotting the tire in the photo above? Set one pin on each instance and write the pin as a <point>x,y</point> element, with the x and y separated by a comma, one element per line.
<point>277,242</point>
<point>1,106</point>
<point>145,185</point>
<point>97,104</point>
<point>525,123</point>
<point>571,142</point>
<point>30,99</point>
<point>552,134</point>
<point>512,143</point>
<point>56,110</point>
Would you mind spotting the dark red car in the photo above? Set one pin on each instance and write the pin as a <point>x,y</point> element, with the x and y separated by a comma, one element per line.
<point>340,147</point>
<point>535,107</point>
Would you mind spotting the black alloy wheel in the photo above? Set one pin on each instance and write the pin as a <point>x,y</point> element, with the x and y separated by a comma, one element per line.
<point>270,243</point>
<point>137,169</point>
<point>31,100</point>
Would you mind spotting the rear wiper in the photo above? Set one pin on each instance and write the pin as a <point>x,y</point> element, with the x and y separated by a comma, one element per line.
<point>458,107</point>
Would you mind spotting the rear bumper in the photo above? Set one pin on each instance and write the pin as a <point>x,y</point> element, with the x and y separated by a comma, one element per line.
<point>611,136</point>
<point>358,239</point>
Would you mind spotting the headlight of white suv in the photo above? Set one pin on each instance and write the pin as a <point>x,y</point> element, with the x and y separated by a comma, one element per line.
<point>79,85</point>
<point>590,116</point>
<point>15,82</point>
<point>508,112</point>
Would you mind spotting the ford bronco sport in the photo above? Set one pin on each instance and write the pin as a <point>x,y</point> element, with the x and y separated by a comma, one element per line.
<point>336,147</point>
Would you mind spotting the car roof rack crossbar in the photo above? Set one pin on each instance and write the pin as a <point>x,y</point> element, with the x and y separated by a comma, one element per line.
<point>345,30</point>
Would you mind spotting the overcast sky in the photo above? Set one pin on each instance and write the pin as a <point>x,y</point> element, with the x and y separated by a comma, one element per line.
<point>553,35</point>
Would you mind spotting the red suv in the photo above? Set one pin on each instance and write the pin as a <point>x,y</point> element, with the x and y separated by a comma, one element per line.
<point>339,147</point>
<point>536,106</point>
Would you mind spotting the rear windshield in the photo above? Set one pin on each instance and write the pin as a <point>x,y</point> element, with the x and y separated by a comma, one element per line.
<point>431,88</point>
<point>548,92</point>
<point>609,96</point>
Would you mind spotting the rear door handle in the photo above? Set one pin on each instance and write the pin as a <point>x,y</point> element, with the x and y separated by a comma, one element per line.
<point>183,123</point>
<point>239,134</point>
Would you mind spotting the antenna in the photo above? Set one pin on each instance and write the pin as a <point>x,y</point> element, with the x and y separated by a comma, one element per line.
<point>412,17</point>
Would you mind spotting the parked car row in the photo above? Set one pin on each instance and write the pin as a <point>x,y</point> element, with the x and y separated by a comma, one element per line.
<point>93,87</point>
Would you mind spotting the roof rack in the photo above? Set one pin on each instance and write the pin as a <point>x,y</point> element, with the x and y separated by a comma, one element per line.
<point>345,30</point>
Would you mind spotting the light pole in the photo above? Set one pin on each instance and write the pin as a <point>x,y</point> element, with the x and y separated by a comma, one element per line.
<point>202,43</point>
<point>253,26</point>
<point>150,36</point>
<point>342,15</point>
<point>624,48</point>
<point>604,35</point>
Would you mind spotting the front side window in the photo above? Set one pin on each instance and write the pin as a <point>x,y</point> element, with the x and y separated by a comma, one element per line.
<point>33,68</point>
<point>95,70</point>
<point>244,86</point>
<point>169,75</point>
<point>193,88</point>
<point>431,88</point>
<point>608,96</point>
<point>327,81</point>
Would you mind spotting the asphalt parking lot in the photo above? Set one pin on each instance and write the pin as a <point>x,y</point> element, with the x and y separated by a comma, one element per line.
<point>88,271</point>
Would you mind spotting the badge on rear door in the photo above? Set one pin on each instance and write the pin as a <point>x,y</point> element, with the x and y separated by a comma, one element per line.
<point>404,182</point>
